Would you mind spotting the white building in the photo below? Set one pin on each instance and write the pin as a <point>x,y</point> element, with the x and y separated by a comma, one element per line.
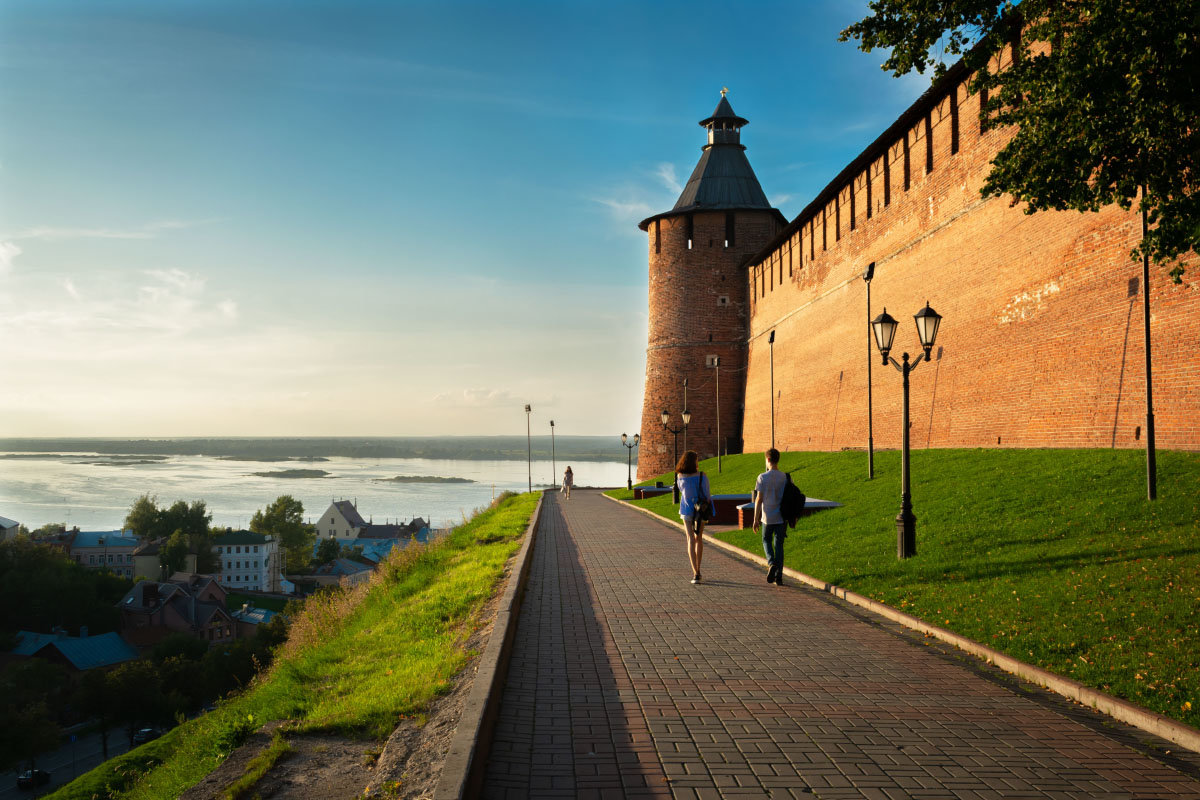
<point>249,561</point>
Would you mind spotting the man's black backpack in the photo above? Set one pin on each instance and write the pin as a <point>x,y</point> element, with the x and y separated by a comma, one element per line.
<point>792,504</point>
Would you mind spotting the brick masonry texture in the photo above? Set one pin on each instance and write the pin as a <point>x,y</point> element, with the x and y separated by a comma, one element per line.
<point>698,309</point>
<point>1041,342</point>
<point>628,681</point>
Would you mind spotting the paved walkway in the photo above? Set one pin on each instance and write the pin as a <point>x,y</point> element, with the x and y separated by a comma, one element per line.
<point>628,681</point>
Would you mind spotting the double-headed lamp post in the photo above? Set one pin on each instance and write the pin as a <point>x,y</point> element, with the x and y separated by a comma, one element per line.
<point>666,418</point>
<point>528,447</point>
<point>637,439</point>
<point>884,327</point>
<point>553,458</point>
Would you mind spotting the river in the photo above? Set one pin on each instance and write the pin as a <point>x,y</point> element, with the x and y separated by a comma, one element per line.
<point>95,492</point>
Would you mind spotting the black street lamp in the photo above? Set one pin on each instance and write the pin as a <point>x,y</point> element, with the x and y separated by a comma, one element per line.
<point>637,439</point>
<point>868,274</point>
<point>771,343</point>
<point>717,375</point>
<point>528,447</point>
<point>685,405</point>
<point>553,459</point>
<point>884,327</point>
<point>666,417</point>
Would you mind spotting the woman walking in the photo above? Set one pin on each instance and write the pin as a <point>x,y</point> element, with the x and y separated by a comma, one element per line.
<point>693,486</point>
<point>568,480</point>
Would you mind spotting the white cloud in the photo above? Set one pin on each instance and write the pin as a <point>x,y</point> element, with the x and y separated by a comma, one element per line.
<point>8,253</point>
<point>229,308</point>
<point>50,233</point>
<point>666,174</point>
<point>625,210</point>
<point>69,287</point>
<point>780,199</point>
<point>477,398</point>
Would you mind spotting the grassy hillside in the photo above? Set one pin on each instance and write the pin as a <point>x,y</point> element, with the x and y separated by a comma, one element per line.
<point>355,661</point>
<point>1052,556</point>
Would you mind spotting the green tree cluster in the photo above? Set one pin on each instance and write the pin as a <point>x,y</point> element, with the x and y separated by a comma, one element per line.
<point>1104,96</point>
<point>183,526</point>
<point>284,519</point>
<point>42,588</point>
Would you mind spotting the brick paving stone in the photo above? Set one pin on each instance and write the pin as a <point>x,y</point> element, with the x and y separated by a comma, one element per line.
<point>628,681</point>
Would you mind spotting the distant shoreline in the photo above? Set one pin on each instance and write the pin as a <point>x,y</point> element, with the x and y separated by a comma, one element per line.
<point>422,479</point>
<point>564,449</point>
<point>293,473</point>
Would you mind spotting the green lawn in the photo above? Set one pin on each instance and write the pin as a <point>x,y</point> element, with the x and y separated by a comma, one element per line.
<point>234,602</point>
<point>1052,556</point>
<point>355,662</point>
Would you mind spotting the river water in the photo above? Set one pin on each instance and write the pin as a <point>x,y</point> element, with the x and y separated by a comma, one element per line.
<point>95,492</point>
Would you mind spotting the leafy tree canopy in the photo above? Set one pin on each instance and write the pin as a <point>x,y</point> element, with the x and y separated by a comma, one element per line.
<point>1104,94</point>
<point>284,519</point>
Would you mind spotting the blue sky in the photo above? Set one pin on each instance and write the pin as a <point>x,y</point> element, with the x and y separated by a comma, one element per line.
<point>376,218</point>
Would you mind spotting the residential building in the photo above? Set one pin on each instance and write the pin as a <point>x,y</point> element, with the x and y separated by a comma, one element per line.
<point>187,603</point>
<point>80,652</point>
<point>111,549</point>
<point>249,561</point>
<point>342,521</point>
<point>249,617</point>
<point>8,528</point>
<point>147,560</point>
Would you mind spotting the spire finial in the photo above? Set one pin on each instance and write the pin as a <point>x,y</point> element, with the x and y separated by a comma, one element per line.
<point>724,91</point>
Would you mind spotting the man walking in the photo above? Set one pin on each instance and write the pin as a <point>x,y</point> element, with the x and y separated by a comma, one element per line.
<point>768,494</point>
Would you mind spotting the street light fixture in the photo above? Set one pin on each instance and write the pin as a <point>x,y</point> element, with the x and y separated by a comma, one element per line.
<point>637,439</point>
<point>528,447</point>
<point>685,405</point>
<point>717,375</point>
<point>666,418</point>
<point>884,327</point>
<point>553,458</point>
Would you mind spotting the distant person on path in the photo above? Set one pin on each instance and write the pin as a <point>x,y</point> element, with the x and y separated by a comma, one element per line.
<point>693,485</point>
<point>568,480</point>
<point>768,494</point>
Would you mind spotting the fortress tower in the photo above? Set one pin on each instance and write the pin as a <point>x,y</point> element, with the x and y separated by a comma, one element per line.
<point>698,298</point>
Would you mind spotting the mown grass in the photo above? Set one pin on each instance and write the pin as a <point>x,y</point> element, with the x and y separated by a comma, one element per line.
<point>356,662</point>
<point>1054,557</point>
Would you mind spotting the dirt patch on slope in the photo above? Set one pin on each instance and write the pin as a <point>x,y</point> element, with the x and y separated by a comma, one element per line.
<point>408,765</point>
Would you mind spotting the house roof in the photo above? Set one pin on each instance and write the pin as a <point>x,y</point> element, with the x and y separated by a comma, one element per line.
<point>343,566</point>
<point>134,599</point>
<point>254,615</point>
<point>241,537</point>
<point>105,539</point>
<point>83,652</point>
<point>5,522</point>
<point>350,513</point>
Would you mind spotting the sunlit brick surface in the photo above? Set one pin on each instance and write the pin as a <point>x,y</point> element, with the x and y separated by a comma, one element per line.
<point>628,681</point>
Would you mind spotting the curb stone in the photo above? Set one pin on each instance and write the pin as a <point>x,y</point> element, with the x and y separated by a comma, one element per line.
<point>463,769</point>
<point>1121,710</point>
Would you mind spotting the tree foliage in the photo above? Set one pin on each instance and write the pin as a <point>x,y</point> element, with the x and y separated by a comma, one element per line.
<point>327,550</point>
<point>41,588</point>
<point>1104,94</point>
<point>284,519</point>
<point>190,520</point>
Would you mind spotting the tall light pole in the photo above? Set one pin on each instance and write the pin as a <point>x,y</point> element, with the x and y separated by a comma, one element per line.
<point>771,344</point>
<point>528,447</point>
<point>1151,464</point>
<point>685,405</point>
<point>637,439</point>
<point>553,459</point>
<point>717,374</point>
<point>868,274</point>
<point>885,331</point>
<point>666,417</point>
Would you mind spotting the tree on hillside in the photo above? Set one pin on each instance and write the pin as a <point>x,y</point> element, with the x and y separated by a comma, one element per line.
<point>172,555</point>
<point>1104,94</point>
<point>327,550</point>
<point>42,587</point>
<point>284,519</point>
<point>191,520</point>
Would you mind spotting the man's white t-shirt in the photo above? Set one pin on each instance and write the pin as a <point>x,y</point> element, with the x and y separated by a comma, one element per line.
<point>770,487</point>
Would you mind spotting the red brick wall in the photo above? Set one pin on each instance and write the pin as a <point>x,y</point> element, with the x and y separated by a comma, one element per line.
<point>689,322</point>
<point>1041,338</point>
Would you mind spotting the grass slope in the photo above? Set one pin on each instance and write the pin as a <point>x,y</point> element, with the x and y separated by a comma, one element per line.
<point>1052,556</point>
<point>355,662</point>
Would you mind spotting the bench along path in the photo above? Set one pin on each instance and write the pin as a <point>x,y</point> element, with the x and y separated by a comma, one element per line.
<point>628,681</point>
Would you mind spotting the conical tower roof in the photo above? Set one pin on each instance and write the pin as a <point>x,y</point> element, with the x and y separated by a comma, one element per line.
<point>723,179</point>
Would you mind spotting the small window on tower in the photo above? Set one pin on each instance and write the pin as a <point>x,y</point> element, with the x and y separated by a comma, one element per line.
<point>710,361</point>
<point>723,300</point>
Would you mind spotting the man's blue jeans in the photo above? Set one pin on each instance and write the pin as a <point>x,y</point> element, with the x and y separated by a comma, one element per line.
<point>773,534</point>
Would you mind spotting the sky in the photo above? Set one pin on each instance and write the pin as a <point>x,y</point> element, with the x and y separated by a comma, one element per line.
<point>376,218</point>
